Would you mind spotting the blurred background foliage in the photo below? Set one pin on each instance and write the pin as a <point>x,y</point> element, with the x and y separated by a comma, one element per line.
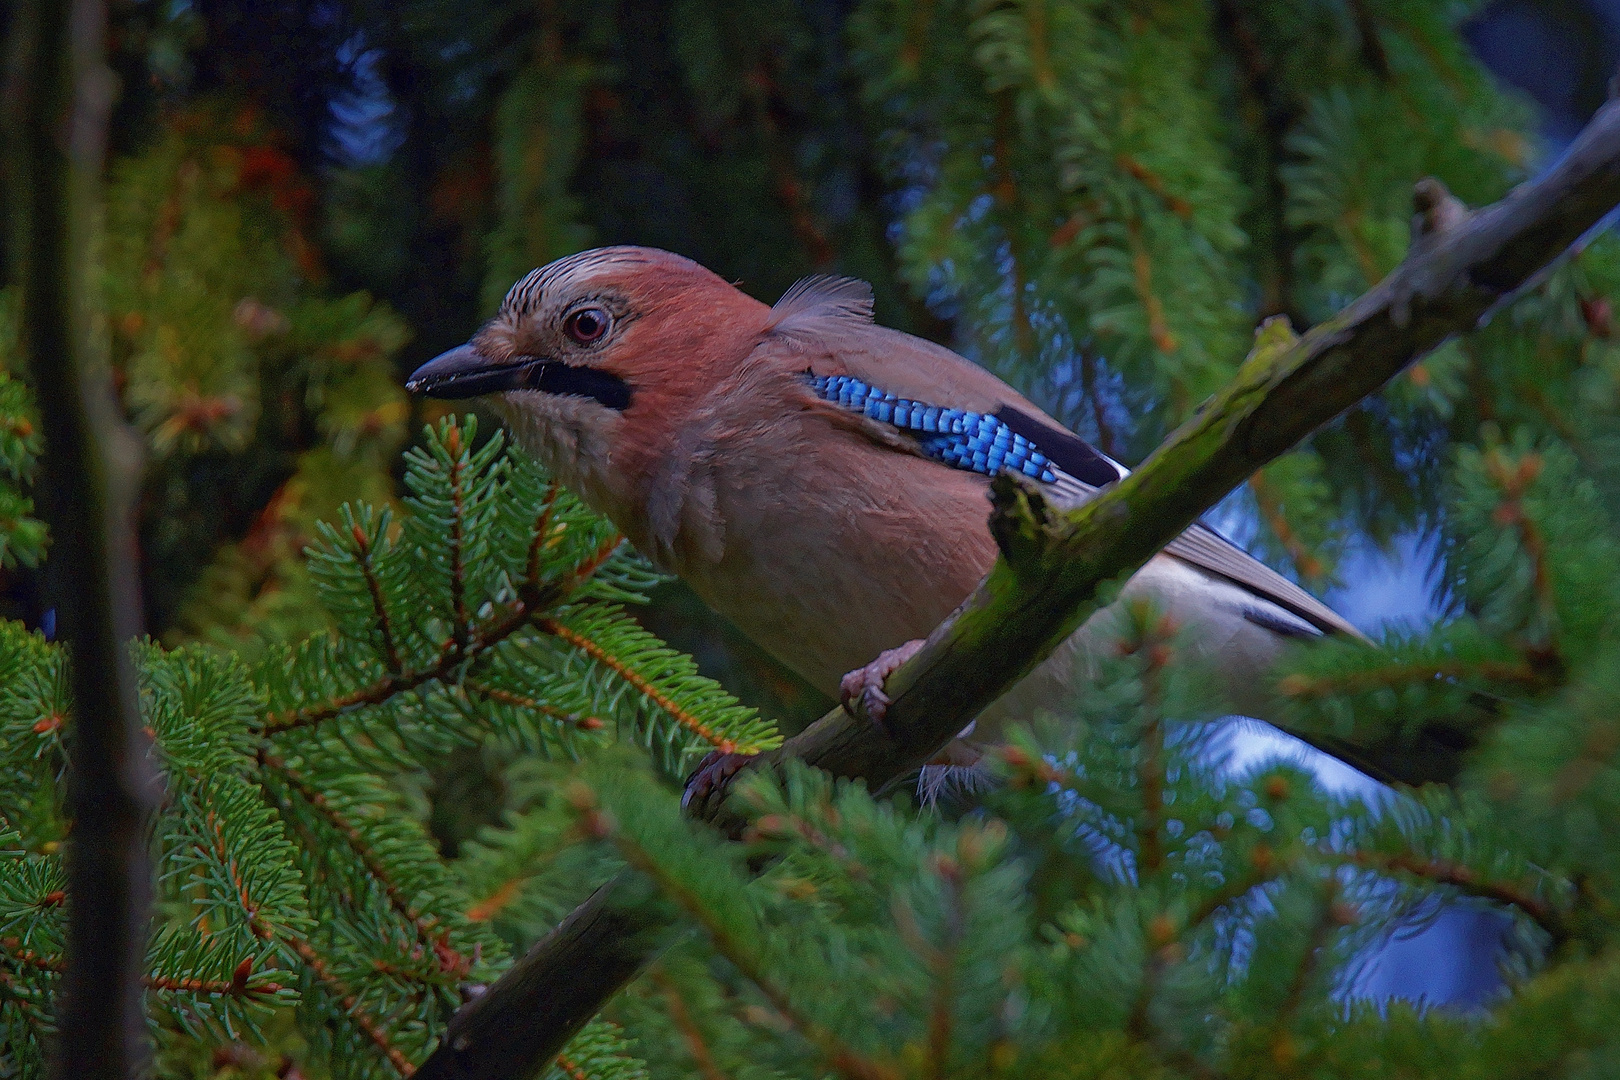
<point>1098,201</point>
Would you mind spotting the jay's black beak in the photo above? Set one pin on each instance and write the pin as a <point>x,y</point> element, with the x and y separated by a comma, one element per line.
<point>464,372</point>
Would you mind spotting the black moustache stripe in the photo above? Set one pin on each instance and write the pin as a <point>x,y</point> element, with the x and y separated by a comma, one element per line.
<point>547,376</point>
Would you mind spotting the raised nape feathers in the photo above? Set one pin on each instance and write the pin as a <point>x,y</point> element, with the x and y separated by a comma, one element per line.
<point>820,303</point>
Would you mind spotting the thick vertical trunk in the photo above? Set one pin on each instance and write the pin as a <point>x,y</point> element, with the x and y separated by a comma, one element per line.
<point>57,103</point>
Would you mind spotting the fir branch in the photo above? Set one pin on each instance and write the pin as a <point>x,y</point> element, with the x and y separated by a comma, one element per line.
<point>942,962</point>
<point>681,1017</point>
<point>1165,950</point>
<point>782,825</point>
<point>573,1071</point>
<point>1513,477</point>
<point>523,701</point>
<point>468,640</point>
<point>260,927</point>
<point>458,569</point>
<point>234,988</point>
<point>29,1002</point>
<point>361,1019</point>
<point>491,904</point>
<point>1142,274</point>
<point>838,1054</point>
<point>28,957</point>
<point>1465,880</point>
<point>1302,686</point>
<point>1324,923</point>
<point>432,935</point>
<point>1271,511</point>
<point>535,596</point>
<point>450,655</point>
<point>1264,868</point>
<point>1154,183</point>
<point>583,572</point>
<point>542,524</point>
<point>1153,640</point>
<point>642,685</point>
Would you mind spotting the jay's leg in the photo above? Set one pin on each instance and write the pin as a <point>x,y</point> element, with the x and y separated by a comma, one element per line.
<point>862,687</point>
<point>865,685</point>
<point>711,774</point>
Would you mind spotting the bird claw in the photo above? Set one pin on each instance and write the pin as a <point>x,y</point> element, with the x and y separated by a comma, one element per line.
<point>711,775</point>
<point>865,685</point>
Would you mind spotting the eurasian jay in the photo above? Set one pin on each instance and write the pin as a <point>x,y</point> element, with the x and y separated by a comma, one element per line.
<point>818,479</point>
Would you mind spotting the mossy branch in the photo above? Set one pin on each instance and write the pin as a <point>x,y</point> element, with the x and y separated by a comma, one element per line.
<point>1055,566</point>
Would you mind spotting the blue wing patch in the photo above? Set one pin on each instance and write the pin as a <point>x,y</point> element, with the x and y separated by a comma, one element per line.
<point>1065,449</point>
<point>964,440</point>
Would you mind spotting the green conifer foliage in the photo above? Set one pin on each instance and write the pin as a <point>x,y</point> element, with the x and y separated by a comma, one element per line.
<point>1099,201</point>
<point>296,881</point>
<point>22,536</point>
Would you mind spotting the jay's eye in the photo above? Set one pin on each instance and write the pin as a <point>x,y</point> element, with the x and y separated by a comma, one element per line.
<point>586,326</point>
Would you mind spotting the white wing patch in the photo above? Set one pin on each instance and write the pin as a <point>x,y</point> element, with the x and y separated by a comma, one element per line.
<point>820,304</point>
<point>1211,552</point>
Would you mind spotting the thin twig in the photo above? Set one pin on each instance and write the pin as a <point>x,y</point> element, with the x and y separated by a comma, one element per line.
<point>385,625</point>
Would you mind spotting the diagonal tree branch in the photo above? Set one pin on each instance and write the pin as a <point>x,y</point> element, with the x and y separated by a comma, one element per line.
<point>1055,566</point>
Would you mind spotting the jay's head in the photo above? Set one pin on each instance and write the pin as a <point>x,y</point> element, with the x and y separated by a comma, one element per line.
<point>609,326</point>
<point>597,354</point>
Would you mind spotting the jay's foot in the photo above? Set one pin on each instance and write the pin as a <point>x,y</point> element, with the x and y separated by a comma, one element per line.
<point>712,774</point>
<point>865,685</point>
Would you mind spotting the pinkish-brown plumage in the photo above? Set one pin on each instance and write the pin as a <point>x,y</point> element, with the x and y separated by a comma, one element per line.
<point>826,536</point>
